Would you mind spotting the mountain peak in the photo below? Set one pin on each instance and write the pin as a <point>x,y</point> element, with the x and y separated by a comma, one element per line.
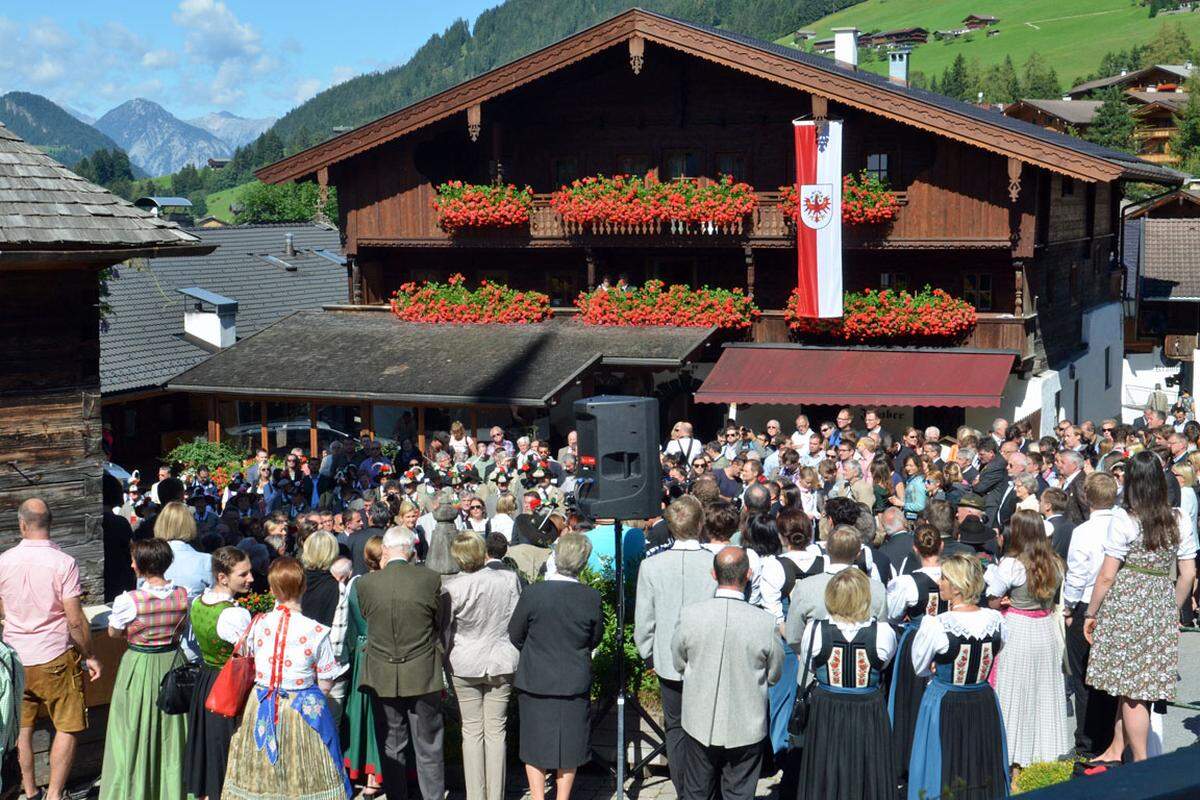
<point>156,140</point>
<point>230,128</point>
<point>46,125</point>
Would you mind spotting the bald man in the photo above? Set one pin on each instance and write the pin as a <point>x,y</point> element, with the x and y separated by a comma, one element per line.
<point>41,600</point>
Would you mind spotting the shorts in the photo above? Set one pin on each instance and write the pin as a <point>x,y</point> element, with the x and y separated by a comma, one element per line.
<point>55,689</point>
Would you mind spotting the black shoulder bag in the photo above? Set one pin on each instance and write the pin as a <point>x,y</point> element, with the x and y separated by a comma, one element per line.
<point>798,724</point>
<point>179,685</point>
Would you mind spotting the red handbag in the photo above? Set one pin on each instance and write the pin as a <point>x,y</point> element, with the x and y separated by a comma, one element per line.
<point>227,697</point>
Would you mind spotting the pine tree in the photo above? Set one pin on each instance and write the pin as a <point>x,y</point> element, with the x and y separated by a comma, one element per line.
<point>1113,124</point>
<point>1170,45</point>
<point>956,81</point>
<point>1186,141</point>
<point>1041,81</point>
<point>999,83</point>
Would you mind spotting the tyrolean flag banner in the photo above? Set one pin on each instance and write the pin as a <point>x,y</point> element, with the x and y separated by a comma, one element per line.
<point>819,227</point>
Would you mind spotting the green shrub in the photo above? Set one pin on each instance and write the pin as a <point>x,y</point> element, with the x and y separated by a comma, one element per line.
<point>203,453</point>
<point>1047,773</point>
<point>604,660</point>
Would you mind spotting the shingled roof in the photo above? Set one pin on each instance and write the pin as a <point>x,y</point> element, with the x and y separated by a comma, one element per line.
<point>414,363</point>
<point>1170,259</point>
<point>45,206</point>
<point>144,343</point>
<point>1072,112</point>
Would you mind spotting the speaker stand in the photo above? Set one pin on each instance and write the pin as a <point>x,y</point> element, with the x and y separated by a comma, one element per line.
<point>619,699</point>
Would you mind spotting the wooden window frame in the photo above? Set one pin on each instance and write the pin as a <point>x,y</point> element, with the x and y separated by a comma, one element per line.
<point>667,153</point>
<point>555,181</point>
<point>737,154</point>
<point>975,295</point>
<point>1066,186</point>
<point>894,280</point>
<point>887,155</point>
<point>648,159</point>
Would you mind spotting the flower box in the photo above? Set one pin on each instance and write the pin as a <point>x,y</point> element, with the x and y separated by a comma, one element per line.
<point>678,305</point>
<point>628,204</point>
<point>866,200</point>
<point>887,316</point>
<point>465,206</point>
<point>453,302</point>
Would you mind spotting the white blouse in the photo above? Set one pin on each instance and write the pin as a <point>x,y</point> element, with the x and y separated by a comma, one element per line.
<point>503,523</point>
<point>232,622</point>
<point>1004,576</point>
<point>124,611</point>
<point>931,640</point>
<point>818,549</point>
<point>1125,530</point>
<point>885,638</point>
<point>772,577</point>
<point>307,652</point>
<point>902,592</point>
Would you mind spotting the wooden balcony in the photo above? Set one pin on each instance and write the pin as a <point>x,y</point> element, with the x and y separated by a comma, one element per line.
<point>993,331</point>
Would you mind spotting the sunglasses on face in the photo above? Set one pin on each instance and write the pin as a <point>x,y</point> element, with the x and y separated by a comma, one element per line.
<point>477,508</point>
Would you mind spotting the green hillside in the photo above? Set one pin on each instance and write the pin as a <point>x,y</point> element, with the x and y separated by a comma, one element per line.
<point>218,202</point>
<point>1072,35</point>
<point>45,125</point>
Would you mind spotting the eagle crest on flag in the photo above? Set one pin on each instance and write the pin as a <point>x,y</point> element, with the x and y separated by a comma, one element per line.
<point>816,204</point>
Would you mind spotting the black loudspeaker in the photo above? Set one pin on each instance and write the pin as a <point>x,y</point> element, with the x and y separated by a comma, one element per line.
<point>619,475</point>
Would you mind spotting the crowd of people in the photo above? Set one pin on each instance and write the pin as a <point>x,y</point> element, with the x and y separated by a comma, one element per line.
<point>876,614</point>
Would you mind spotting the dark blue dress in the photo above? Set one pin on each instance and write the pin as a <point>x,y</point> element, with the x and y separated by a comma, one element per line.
<point>905,688</point>
<point>848,746</point>
<point>959,746</point>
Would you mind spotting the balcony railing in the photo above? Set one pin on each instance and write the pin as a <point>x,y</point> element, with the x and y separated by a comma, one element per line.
<point>993,331</point>
<point>1154,133</point>
<point>767,221</point>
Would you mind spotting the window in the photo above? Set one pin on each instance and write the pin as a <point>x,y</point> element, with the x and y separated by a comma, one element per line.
<point>681,164</point>
<point>893,280</point>
<point>877,165</point>
<point>977,290</point>
<point>1108,367</point>
<point>733,165</point>
<point>565,170</point>
<point>1068,186</point>
<point>633,164</point>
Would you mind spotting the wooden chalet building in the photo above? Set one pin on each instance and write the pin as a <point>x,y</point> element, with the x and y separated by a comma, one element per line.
<point>57,232</point>
<point>1017,219</point>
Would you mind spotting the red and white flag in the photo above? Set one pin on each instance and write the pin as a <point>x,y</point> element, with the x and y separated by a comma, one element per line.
<point>819,228</point>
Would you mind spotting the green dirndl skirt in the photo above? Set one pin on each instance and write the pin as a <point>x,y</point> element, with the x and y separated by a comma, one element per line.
<point>361,747</point>
<point>143,747</point>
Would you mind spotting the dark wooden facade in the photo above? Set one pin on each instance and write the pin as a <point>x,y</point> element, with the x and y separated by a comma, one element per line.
<point>1020,225</point>
<point>50,437</point>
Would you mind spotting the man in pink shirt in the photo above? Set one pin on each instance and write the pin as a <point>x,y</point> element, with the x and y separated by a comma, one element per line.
<point>43,615</point>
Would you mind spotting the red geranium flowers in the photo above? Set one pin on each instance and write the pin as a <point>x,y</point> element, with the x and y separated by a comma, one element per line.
<point>930,315</point>
<point>632,200</point>
<point>866,200</point>
<point>465,205</point>
<point>453,302</point>
<point>679,305</point>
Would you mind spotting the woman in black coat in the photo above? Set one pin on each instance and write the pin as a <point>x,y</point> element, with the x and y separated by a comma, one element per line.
<point>555,626</point>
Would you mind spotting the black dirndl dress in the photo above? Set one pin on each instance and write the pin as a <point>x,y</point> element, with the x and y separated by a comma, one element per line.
<point>959,747</point>
<point>208,740</point>
<point>848,746</point>
<point>905,689</point>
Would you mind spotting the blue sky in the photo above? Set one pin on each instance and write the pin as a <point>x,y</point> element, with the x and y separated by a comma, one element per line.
<point>252,57</point>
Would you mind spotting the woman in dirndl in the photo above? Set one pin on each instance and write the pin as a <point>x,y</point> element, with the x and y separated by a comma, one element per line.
<point>217,625</point>
<point>847,751</point>
<point>1028,677</point>
<point>1133,617</point>
<point>959,748</point>
<point>361,746</point>
<point>143,747</point>
<point>287,746</point>
<point>910,598</point>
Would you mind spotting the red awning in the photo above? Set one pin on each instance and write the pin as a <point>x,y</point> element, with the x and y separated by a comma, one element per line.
<point>791,375</point>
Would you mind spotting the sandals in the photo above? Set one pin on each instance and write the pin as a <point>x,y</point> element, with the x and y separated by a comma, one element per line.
<point>1094,767</point>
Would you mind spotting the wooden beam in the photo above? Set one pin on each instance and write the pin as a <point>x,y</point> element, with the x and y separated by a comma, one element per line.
<point>262,410</point>
<point>1014,179</point>
<point>368,412</point>
<point>421,429</point>
<point>748,252</point>
<point>637,54</point>
<point>820,107</point>
<point>474,424</point>
<point>474,121</point>
<point>214,420</point>
<point>312,431</point>
<point>589,255</point>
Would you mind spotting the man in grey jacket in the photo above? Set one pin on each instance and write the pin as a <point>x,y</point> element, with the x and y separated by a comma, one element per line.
<point>728,654</point>
<point>668,581</point>
<point>808,595</point>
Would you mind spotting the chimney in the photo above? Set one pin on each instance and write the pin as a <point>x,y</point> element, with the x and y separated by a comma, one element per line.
<point>898,65</point>
<point>845,46</point>
<point>289,245</point>
<point>209,319</point>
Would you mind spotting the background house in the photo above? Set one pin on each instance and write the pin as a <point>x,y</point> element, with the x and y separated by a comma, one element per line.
<point>268,271</point>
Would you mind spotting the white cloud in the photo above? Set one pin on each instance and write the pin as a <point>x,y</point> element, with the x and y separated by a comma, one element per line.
<point>158,59</point>
<point>341,74</point>
<point>47,35</point>
<point>305,88</point>
<point>214,33</point>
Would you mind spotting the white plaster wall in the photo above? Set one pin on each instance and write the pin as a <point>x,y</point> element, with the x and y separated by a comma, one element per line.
<point>1139,374</point>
